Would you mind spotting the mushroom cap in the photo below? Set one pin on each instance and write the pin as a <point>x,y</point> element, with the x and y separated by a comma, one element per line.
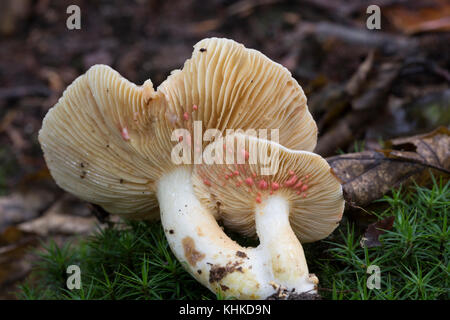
<point>233,189</point>
<point>108,141</point>
<point>96,150</point>
<point>235,87</point>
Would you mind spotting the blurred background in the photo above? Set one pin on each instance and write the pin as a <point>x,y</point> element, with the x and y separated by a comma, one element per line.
<point>364,87</point>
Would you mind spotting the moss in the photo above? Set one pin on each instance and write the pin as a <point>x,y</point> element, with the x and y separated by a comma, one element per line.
<point>133,260</point>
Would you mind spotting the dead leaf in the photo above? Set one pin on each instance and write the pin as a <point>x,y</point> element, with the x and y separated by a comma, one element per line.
<point>421,147</point>
<point>374,230</point>
<point>19,207</point>
<point>61,219</point>
<point>15,258</point>
<point>435,16</point>
<point>368,175</point>
<point>10,235</point>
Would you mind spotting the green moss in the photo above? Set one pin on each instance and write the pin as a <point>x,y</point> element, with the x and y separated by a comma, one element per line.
<point>413,258</point>
<point>133,260</point>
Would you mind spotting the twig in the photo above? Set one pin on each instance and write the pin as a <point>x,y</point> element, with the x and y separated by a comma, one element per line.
<point>19,92</point>
<point>355,36</point>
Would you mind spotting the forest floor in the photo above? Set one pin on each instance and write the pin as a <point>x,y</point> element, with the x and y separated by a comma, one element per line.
<point>381,100</point>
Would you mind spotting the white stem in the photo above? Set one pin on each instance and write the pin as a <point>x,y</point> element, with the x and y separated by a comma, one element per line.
<point>279,242</point>
<point>218,262</point>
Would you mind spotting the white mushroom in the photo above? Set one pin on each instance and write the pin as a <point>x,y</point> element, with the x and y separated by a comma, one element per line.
<point>302,199</point>
<point>109,142</point>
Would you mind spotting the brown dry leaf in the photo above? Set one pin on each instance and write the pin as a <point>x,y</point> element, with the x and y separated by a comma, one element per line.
<point>368,175</point>
<point>374,230</point>
<point>433,17</point>
<point>19,207</point>
<point>15,259</point>
<point>61,219</point>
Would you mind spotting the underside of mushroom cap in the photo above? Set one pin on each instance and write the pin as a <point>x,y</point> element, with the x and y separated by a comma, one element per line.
<point>104,141</point>
<point>235,87</point>
<point>305,180</point>
<point>108,141</point>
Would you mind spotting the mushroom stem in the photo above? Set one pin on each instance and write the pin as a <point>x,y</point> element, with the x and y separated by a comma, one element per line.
<point>215,260</point>
<point>200,244</point>
<point>279,242</point>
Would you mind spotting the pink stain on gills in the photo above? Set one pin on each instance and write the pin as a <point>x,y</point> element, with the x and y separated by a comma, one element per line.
<point>291,181</point>
<point>186,116</point>
<point>263,185</point>
<point>249,181</point>
<point>298,185</point>
<point>125,134</point>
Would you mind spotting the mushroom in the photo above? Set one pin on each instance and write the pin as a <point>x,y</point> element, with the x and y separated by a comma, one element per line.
<point>300,199</point>
<point>111,142</point>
